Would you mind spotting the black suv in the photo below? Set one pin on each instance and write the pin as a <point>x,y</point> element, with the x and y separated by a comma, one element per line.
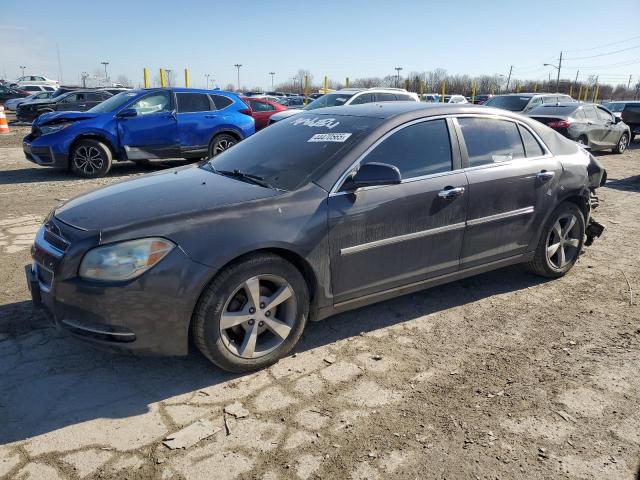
<point>76,101</point>
<point>631,116</point>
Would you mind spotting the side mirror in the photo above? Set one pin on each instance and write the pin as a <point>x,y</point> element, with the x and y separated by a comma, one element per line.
<point>617,119</point>
<point>128,113</point>
<point>371,174</point>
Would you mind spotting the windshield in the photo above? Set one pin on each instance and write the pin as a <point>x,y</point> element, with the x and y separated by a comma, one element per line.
<point>329,100</point>
<point>553,110</point>
<point>513,103</point>
<point>615,107</point>
<point>292,152</point>
<point>110,104</point>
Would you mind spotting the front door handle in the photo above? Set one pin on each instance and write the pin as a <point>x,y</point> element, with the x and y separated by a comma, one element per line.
<point>544,176</point>
<point>449,193</point>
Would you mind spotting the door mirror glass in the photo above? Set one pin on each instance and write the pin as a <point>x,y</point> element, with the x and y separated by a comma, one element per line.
<point>371,174</point>
<point>128,113</point>
<point>617,119</point>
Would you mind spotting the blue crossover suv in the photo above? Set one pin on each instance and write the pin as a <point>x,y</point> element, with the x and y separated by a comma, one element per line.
<point>139,125</point>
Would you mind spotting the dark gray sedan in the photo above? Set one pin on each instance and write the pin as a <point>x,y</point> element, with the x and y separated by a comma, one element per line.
<point>324,212</point>
<point>590,125</point>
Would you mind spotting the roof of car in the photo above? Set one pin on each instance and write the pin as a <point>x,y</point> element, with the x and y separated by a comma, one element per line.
<point>391,109</point>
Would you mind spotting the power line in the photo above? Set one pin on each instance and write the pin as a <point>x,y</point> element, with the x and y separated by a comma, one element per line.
<point>624,63</point>
<point>603,46</point>
<point>605,54</point>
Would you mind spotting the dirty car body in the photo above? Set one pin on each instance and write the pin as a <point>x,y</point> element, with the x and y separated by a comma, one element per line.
<point>461,210</point>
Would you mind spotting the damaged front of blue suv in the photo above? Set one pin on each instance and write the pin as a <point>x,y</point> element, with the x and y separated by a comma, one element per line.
<point>139,125</point>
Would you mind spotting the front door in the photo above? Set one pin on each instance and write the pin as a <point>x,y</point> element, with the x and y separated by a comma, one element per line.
<point>510,176</point>
<point>153,132</point>
<point>389,236</point>
<point>261,112</point>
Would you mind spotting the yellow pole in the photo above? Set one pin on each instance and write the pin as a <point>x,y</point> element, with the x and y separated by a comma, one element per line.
<point>535,87</point>
<point>595,94</point>
<point>406,84</point>
<point>186,77</point>
<point>162,80</point>
<point>347,83</point>
<point>443,90</point>
<point>473,92</point>
<point>146,77</point>
<point>571,90</point>
<point>518,87</point>
<point>326,85</point>
<point>306,89</point>
<point>580,93</point>
<point>421,89</point>
<point>493,89</point>
<point>586,92</point>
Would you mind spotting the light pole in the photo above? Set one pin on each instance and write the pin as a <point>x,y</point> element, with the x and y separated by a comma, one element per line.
<point>206,75</point>
<point>398,69</point>
<point>557,67</point>
<point>106,77</point>
<point>273,73</point>
<point>22,67</point>
<point>238,65</point>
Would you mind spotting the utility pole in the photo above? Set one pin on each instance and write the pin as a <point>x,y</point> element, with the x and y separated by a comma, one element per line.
<point>84,77</point>
<point>238,65</point>
<point>206,75</point>
<point>628,86</point>
<point>272,74</point>
<point>22,67</point>
<point>398,69</point>
<point>106,76</point>
<point>168,72</point>
<point>509,79</point>
<point>558,78</point>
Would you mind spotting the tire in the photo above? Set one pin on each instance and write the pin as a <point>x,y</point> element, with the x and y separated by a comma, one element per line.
<point>633,137</point>
<point>220,143</point>
<point>226,339</point>
<point>551,263</point>
<point>90,159</point>
<point>623,143</point>
<point>583,140</point>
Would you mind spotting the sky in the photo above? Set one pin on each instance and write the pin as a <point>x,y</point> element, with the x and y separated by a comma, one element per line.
<point>353,38</point>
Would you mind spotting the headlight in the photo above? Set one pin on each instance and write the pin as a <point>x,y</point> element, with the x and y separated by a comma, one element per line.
<point>125,260</point>
<point>45,129</point>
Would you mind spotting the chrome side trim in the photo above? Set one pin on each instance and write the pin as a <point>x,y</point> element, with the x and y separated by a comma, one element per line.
<point>73,324</point>
<point>500,216</point>
<point>401,238</point>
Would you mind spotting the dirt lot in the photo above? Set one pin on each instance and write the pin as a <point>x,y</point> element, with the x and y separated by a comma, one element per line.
<point>500,376</point>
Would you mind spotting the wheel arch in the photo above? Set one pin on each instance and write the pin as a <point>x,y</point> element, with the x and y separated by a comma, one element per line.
<point>93,136</point>
<point>229,131</point>
<point>580,198</point>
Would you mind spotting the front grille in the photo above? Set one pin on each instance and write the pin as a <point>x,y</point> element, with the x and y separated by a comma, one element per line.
<point>45,277</point>
<point>55,240</point>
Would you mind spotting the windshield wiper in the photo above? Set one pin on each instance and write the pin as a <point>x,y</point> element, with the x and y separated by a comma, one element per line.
<point>258,180</point>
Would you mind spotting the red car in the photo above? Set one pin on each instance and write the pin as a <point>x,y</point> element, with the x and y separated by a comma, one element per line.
<point>262,109</point>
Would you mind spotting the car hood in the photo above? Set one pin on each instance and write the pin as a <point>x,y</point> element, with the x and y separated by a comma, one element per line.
<point>175,195</point>
<point>54,117</point>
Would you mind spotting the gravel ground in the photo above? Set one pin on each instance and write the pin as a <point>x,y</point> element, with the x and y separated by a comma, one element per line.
<point>503,375</point>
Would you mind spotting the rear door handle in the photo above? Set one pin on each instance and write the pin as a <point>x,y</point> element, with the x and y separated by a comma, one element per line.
<point>545,176</point>
<point>449,193</point>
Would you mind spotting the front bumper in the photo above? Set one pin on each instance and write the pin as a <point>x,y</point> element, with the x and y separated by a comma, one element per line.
<point>149,315</point>
<point>43,154</point>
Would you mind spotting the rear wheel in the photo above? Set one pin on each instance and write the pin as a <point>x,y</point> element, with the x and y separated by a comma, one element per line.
<point>252,313</point>
<point>622,144</point>
<point>220,143</point>
<point>560,242</point>
<point>582,140</point>
<point>90,159</point>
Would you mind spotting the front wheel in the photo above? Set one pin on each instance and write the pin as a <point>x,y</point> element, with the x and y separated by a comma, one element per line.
<point>220,143</point>
<point>90,159</point>
<point>560,242</point>
<point>252,313</point>
<point>622,144</point>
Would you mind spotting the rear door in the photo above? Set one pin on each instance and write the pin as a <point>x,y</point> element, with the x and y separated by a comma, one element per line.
<point>386,237</point>
<point>611,132</point>
<point>196,121</point>
<point>596,126</point>
<point>509,174</point>
<point>153,132</point>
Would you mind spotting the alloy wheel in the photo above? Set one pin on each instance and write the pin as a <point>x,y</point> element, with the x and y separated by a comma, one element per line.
<point>222,145</point>
<point>258,316</point>
<point>622,144</point>
<point>563,241</point>
<point>88,159</point>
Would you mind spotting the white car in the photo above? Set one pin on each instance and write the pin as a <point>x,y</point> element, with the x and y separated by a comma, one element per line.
<point>34,80</point>
<point>13,103</point>
<point>437,98</point>
<point>351,96</point>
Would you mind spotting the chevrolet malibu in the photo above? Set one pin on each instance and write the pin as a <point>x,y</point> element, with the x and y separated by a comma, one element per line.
<point>324,212</point>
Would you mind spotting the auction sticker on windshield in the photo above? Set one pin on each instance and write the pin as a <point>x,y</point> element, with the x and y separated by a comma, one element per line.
<point>316,122</point>
<point>329,137</point>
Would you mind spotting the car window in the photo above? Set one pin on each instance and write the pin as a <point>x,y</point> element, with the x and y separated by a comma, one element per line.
<point>531,146</point>
<point>95,97</point>
<point>550,99</point>
<point>513,103</point>
<point>404,97</point>
<point>261,106</point>
<point>385,97</point>
<point>192,102</point>
<point>579,114</point>
<point>30,88</point>
<point>604,115</point>
<point>419,149</point>
<point>361,99</point>
<point>74,97</point>
<point>535,101</point>
<point>490,141</point>
<point>220,101</point>
<point>590,113</point>
<point>156,102</point>
<point>41,95</point>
